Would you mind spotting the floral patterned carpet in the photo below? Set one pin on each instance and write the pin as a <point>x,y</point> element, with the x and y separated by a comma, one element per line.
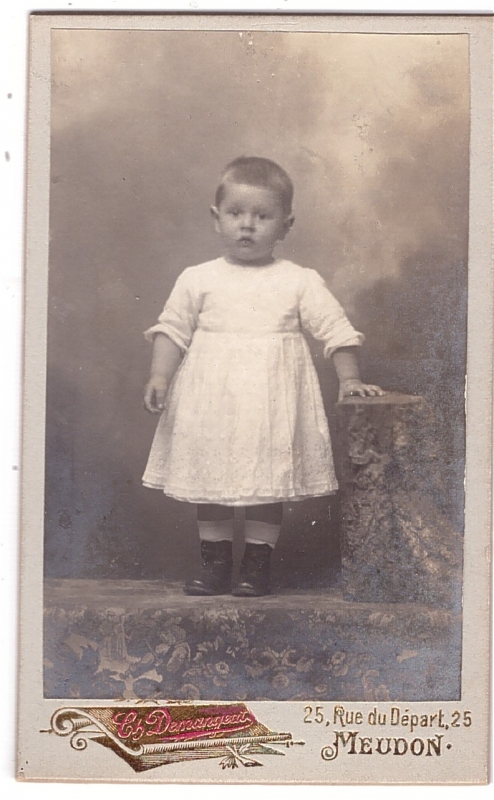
<point>145,639</point>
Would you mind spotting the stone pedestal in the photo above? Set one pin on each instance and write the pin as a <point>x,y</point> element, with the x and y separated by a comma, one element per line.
<point>397,547</point>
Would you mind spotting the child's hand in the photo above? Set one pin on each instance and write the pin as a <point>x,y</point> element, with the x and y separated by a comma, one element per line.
<point>154,394</point>
<point>354,386</point>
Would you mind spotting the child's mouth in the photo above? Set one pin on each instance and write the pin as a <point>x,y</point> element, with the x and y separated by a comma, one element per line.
<point>246,241</point>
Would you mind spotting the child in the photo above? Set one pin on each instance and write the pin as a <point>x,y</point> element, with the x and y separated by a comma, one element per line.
<point>242,419</point>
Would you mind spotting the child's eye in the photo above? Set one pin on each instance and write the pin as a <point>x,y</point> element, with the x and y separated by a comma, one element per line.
<point>262,216</point>
<point>234,213</point>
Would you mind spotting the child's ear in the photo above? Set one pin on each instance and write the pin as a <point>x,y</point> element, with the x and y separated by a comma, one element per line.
<point>216,216</point>
<point>288,222</point>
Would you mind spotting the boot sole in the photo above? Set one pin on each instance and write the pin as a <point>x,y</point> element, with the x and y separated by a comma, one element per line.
<point>249,593</point>
<point>197,592</point>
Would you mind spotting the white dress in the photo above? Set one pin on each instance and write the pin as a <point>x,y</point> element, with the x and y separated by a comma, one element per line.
<point>244,422</point>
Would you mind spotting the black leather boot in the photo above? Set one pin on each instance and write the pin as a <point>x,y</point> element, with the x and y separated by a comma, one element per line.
<point>216,573</point>
<point>253,577</point>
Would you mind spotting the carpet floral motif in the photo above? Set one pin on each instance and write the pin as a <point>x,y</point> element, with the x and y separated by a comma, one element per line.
<point>241,654</point>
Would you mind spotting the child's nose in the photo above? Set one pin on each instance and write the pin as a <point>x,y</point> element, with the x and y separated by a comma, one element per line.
<point>247,221</point>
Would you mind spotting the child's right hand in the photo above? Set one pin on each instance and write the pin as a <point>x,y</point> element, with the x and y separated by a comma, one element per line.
<point>154,394</point>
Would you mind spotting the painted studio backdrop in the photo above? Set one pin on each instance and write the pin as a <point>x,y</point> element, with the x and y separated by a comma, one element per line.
<point>373,130</point>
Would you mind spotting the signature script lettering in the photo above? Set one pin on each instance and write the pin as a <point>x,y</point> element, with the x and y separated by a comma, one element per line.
<point>159,723</point>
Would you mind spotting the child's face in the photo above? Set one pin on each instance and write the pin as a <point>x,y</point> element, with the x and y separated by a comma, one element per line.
<point>250,221</point>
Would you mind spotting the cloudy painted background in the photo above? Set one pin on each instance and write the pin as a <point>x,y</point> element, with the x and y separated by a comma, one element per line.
<point>374,131</point>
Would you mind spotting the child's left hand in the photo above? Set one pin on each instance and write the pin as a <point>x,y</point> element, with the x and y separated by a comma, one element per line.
<point>354,386</point>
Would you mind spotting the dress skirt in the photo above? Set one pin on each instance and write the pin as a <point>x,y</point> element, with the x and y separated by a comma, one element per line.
<point>243,423</point>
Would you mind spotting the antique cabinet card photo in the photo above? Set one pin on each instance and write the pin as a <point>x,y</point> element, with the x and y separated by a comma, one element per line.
<point>257,443</point>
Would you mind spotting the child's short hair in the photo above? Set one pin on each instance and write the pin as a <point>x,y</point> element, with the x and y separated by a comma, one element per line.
<point>256,171</point>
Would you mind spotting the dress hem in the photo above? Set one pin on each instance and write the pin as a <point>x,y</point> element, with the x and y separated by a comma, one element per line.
<point>249,500</point>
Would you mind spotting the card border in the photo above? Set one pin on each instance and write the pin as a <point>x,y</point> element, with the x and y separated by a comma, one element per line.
<point>476,626</point>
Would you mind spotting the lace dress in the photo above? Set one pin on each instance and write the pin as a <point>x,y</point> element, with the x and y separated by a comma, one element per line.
<point>244,422</point>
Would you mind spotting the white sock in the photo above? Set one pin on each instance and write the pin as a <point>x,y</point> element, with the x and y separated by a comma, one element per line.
<point>261,532</point>
<point>216,531</point>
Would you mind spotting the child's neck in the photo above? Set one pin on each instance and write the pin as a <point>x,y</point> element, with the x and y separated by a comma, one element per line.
<point>260,262</point>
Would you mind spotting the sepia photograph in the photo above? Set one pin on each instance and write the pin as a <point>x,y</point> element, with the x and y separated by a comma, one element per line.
<point>263,189</point>
<point>256,284</point>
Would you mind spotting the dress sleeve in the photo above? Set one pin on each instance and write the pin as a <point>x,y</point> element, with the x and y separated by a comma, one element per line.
<point>323,317</point>
<point>178,320</point>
